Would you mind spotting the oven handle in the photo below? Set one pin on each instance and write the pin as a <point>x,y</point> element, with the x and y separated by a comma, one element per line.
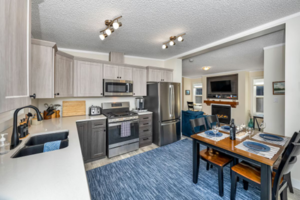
<point>119,124</point>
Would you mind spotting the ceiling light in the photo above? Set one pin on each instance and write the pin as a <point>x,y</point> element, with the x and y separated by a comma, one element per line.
<point>164,46</point>
<point>111,26</point>
<point>180,39</point>
<point>206,68</point>
<point>102,36</point>
<point>116,25</point>
<point>171,43</point>
<point>108,31</point>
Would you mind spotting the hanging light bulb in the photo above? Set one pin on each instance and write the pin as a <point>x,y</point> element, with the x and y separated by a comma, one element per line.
<point>116,25</point>
<point>102,36</point>
<point>164,46</point>
<point>172,43</point>
<point>180,39</point>
<point>108,31</point>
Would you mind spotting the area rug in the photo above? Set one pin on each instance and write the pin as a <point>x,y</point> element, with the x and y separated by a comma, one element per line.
<point>162,173</point>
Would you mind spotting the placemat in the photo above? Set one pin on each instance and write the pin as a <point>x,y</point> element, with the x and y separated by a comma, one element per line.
<point>281,143</point>
<point>214,138</point>
<point>268,154</point>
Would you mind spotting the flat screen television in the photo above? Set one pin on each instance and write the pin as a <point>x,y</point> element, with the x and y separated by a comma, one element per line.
<point>220,86</point>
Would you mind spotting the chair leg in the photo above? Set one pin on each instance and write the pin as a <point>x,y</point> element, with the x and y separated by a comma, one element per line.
<point>221,179</point>
<point>207,165</point>
<point>233,186</point>
<point>211,166</point>
<point>245,184</point>
<point>231,165</point>
<point>283,195</point>
<point>288,179</point>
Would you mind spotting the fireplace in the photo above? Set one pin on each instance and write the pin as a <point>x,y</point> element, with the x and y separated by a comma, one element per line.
<point>223,113</point>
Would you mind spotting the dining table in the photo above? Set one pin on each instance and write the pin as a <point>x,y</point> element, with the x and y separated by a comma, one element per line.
<point>228,146</point>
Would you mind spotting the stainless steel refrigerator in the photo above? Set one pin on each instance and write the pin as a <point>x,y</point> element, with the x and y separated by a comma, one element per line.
<point>163,99</point>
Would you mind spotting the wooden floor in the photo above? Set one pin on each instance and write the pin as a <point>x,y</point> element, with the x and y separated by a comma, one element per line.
<point>105,161</point>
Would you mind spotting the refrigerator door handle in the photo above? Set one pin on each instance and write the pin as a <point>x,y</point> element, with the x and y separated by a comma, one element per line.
<point>171,100</point>
<point>168,123</point>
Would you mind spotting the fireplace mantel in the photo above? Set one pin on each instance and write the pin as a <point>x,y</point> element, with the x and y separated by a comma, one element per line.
<point>233,104</point>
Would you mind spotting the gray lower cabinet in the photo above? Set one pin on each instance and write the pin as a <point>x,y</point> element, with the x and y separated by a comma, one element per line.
<point>92,136</point>
<point>145,131</point>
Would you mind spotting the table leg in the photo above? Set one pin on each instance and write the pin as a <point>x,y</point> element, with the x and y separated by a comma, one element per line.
<point>266,182</point>
<point>196,160</point>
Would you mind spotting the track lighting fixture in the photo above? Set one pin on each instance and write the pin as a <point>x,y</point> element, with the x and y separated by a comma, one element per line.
<point>112,25</point>
<point>172,41</point>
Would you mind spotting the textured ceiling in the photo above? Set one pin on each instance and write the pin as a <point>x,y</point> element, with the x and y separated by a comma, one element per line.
<point>247,55</point>
<point>75,24</point>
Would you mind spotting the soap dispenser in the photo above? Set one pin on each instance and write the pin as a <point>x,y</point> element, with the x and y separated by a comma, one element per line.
<point>4,145</point>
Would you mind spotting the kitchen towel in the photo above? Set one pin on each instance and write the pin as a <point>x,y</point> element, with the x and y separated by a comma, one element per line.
<point>125,129</point>
<point>51,146</point>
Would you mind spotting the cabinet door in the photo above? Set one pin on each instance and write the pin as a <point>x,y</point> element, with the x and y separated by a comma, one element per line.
<point>155,75</point>
<point>82,129</point>
<point>139,82</point>
<point>15,35</point>
<point>42,71</point>
<point>125,73</point>
<point>63,76</point>
<point>97,143</point>
<point>167,76</point>
<point>110,71</point>
<point>87,79</point>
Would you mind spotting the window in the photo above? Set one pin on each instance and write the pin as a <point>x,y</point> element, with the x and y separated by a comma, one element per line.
<point>258,96</point>
<point>198,93</point>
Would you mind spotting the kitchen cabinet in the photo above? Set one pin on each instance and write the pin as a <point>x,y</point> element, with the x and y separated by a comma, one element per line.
<point>146,135</point>
<point>117,72</point>
<point>92,136</point>
<point>63,75</point>
<point>156,74</point>
<point>42,68</point>
<point>139,78</point>
<point>88,78</point>
<point>15,34</point>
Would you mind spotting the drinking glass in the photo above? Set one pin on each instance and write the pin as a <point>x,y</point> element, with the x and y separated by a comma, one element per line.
<point>262,126</point>
<point>249,132</point>
<point>215,131</point>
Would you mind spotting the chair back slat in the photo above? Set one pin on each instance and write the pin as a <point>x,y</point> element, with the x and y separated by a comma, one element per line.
<point>198,122</point>
<point>190,105</point>
<point>212,119</point>
<point>288,160</point>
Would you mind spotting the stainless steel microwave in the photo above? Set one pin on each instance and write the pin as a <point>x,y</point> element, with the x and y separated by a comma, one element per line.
<point>114,88</point>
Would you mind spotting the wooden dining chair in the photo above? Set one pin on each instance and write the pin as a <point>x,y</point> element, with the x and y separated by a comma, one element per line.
<point>251,173</point>
<point>212,119</point>
<point>215,158</point>
<point>287,177</point>
<point>190,105</point>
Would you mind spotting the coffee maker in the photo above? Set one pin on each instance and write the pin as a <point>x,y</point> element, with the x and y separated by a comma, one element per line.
<point>139,103</point>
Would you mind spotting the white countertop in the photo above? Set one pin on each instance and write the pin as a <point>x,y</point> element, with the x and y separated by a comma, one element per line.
<point>55,175</point>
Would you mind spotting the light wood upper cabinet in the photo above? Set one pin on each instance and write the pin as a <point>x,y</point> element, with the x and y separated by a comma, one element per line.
<point>156,74</point>
<point>110,71</point>
<point>88,79</point>
<point>15,34</point>
<point>117,72</point>
<point>42,68</point>
<point>64,73</point>
<point>139,77</point>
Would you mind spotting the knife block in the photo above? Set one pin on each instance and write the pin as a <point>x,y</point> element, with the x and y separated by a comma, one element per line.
<point>50,116</point>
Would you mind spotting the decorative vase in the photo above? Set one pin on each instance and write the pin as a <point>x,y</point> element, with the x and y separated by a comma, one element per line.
<point>250,124</point>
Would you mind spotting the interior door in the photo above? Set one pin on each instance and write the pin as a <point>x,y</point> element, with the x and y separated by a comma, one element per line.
<point>169,101</point>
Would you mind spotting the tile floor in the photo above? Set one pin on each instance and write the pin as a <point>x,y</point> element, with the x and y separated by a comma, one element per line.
<point>105,161</point>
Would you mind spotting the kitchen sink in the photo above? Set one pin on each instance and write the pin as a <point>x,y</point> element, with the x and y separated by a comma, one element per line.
<point>35,144</point>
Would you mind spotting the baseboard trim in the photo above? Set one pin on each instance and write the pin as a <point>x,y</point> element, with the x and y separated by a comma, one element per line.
<point>296,183</point>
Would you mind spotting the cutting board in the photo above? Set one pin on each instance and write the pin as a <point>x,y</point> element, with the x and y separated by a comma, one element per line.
<point>73,108</point>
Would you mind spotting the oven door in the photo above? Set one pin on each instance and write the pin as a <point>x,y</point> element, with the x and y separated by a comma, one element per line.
<point>114,132</point>
<point>117,87</point>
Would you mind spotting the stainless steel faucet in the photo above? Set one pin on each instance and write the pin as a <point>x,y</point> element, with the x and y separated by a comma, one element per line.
<point>15,141</point>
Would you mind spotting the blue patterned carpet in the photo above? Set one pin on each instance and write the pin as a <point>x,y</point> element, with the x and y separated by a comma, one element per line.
<point>162,173</point>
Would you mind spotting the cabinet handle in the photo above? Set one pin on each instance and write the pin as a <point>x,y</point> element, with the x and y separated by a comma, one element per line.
<point>146,130</point>
<point>104,130</point>
<point>101,93</point>
<point>145,138</point>
<point>33,96</point>
<point>56,94</point>
<point>98,124</point>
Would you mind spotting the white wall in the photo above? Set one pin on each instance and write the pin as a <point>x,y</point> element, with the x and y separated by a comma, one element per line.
<point>274,105</point>
<point>292,85</point>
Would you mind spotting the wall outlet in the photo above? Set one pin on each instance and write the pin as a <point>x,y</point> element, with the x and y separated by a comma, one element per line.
<point>275,100</point>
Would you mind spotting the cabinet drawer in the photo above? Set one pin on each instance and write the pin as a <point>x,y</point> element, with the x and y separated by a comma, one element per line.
<point>145,123</point>
<point>144,131</point>
<point>145,117</point>
<point>144,141</point>
<point>98,123</point>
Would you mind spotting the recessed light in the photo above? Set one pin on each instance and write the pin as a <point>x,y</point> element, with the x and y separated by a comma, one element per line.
<point>205,68</point>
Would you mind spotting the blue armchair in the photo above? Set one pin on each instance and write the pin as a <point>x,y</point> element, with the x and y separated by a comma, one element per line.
<point>186,117</point>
